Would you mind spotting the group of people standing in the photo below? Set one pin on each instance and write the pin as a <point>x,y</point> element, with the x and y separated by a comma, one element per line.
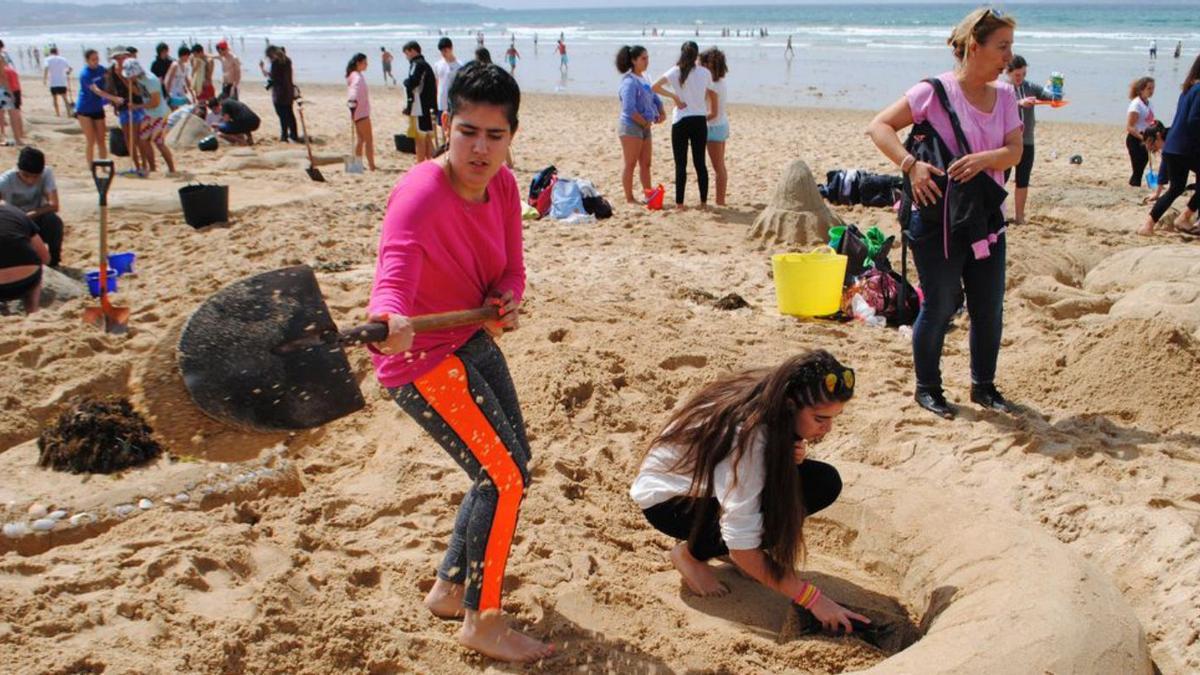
<point>1178,144</point>
<point>696,85</point>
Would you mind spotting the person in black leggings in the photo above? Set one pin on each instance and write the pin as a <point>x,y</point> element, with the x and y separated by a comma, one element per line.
<point>283,91</point>
<point>1139,116</point>
<point>1181,156</point>
<point>730,475</point>
<point>689,85</point>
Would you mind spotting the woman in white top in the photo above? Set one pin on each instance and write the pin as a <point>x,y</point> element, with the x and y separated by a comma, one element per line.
<point>690,87</point>
<point>729,475</point>
<point>1140,116</point>
<point>718,121</point>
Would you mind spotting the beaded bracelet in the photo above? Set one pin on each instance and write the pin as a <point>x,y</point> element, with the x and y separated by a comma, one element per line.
<point>808,595</point>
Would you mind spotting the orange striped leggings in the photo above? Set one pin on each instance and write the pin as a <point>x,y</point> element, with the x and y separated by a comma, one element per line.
<point>469,405</point>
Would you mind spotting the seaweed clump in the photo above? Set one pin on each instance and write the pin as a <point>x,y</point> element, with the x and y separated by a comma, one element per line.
<point>97,435</point>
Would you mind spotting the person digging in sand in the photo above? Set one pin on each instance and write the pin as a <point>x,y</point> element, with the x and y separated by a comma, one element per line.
<point>730,475</point>
<point>452,240</point>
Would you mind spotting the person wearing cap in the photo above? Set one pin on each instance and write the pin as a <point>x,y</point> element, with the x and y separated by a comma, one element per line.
<point>202,71</point>
<point>238,121</point>
<point>30,187</point>
<point>152,131</point>
<point>129,106</point>
<point>231,71</point>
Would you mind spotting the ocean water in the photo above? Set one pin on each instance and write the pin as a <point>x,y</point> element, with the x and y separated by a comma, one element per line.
<point>857,56</point>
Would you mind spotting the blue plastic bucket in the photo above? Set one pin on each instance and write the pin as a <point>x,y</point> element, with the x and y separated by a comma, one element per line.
<point>122,262</point>
<point>93,282</point>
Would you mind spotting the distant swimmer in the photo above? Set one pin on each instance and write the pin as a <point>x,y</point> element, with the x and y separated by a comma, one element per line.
<point>1154,49</point>
<point>1178,48</point>
<point>561,49</point>
<point>788,52</point>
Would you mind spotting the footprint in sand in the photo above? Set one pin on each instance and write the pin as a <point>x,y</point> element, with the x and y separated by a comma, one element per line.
<point>684,360</point>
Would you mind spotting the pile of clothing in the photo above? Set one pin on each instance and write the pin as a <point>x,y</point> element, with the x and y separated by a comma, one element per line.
<point>569,200</point>
<point>854,186</point>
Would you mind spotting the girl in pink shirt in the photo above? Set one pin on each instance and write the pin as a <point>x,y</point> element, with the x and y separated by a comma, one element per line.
<point>360,108</point>
<point>948,262</point>
<point>451,240</point>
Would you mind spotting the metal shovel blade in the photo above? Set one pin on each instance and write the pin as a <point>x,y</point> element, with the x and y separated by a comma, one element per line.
<point>235,374</point>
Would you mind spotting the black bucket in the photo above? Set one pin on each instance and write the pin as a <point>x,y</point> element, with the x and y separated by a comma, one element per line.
<point>116,142</point>
<point>405,143</point>
<point>204,205</point>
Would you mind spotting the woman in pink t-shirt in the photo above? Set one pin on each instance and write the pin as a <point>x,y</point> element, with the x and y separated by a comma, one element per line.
<point>949,262</point>
<point>360,108</point>
<point>452,240</point>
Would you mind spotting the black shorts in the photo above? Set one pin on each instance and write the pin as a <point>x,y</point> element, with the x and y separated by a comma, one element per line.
<point>16,100</point>
<point>1024,168</point>
<point>425,124</point>
<point>17,290</point>
<point>58,91</point>
<point>98,115</point>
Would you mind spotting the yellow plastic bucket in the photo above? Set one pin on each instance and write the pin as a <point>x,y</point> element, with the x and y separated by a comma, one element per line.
<point>809,284</point>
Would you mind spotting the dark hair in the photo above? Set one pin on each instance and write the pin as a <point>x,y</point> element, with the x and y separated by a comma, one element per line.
<point>1154,132</point>
<point>197,48</point>
<point>445,43</point>
<point>89,54</point>
<point>688,54</point>
<point>1193,75</point>
<point>132,51</point>
<point>1017,63</point>
<point>412,46</point>
<point>270,51</point>
<point>383,49</point>
<point>1135,89</point>
<point>714,59</point>
<point>31,160</point>
<point>480,82</point>
<point>162,47</point>
<point>626,55</point>
<point>183,51</point>
<point>725,418</point>
<point>354,61</point>
<point>54,50</point>
<point>482,55</point>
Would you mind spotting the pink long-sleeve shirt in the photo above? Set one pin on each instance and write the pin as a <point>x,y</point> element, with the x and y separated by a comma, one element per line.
<point>356,93</point>
<point>440,253</point>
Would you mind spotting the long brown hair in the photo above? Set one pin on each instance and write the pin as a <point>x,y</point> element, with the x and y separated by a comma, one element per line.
<point>1135,89</point>
<point>1193,75</point>
<point>725,417</point>
<point>688,54</point>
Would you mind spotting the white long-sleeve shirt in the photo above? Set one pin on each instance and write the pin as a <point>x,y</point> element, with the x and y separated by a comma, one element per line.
<point>741,517</point>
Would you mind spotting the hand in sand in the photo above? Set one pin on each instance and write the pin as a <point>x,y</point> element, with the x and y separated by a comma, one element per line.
<point>400,333</point>
<point>510,312</point>
<point>925,191</point>
<point>967,167</point>
<point>833,616</point>
<point>698,576</point>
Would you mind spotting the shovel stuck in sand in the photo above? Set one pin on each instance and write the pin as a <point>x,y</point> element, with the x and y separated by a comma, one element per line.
<point>111,318</point>
<point>312,170</point>
<point>264,354</point>
<point>354,162</point>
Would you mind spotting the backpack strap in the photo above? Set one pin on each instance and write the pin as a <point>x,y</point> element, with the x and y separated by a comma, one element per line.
<point>964,147</point>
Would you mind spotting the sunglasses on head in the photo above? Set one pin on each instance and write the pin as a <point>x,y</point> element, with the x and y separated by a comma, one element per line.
<point>992,12</point>
<point>835,383</point>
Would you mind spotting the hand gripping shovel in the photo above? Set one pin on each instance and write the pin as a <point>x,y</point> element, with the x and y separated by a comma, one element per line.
<point>109,317</point>
<point>264,354</point>
<point>312,170</point>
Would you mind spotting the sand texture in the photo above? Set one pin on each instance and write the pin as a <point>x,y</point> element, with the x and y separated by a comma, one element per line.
<point>1062,539</point>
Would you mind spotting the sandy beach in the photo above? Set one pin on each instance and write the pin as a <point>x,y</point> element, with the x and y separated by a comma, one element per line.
<point>1070,529</point>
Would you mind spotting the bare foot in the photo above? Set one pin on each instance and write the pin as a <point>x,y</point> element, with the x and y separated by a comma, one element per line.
<point>680,207</point>
<point>1146,230</point>
<point>444,600</point>
<point>698,576</point>
<point>489,634</point>
<point>703,206</point>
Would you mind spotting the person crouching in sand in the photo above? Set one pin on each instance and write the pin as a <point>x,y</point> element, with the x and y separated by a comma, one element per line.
<point>729,475</point>
<point>452,240</point>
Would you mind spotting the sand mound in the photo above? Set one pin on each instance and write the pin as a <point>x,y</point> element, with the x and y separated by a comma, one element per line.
<point>1174,301</point>
<point>187,133</point>
<point>797,213</point>
<point>1096,373</point>
<point>243,159</point>
<point>1133,267</point>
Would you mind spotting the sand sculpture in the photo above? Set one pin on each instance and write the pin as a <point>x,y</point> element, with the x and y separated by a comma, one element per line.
<point>797,213</point>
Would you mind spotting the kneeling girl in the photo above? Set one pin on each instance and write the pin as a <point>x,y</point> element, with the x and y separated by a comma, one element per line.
<point>729,476</point>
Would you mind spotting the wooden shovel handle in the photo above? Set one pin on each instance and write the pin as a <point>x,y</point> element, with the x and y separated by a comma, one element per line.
<point>378,332</point>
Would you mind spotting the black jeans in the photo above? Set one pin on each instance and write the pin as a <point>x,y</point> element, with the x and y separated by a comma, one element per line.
<point>820,485</point>
<point>1178,168</point>
<point>287,120</point>
<point>691,130</point>
<point>943,280</point>
<point>52,233</point>
<point>1139,157</point>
